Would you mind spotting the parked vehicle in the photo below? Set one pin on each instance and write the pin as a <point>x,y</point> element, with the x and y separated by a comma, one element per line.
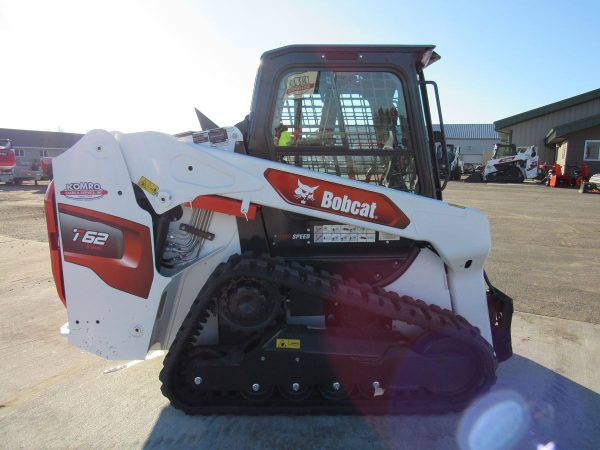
<point>13,172</point>
<point>591,185</point>
<point>8,161</point>
<point>450,163</point>
<point>545,170</point>
<point>510,164</point>
<point>573,175</point>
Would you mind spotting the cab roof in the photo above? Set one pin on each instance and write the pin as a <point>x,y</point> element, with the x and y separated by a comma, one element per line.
<point>346,53</point>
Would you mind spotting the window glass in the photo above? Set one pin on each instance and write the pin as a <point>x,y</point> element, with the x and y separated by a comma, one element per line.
<point>592,151</point>
<point>504,150</point>
<point>356,121</point>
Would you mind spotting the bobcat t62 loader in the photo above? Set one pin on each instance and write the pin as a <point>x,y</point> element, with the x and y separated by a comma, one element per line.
<point>301,261</point>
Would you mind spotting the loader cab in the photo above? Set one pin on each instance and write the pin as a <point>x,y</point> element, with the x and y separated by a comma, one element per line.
<point>355,112</point>
<point>504,150</point>
<point>451,152</point>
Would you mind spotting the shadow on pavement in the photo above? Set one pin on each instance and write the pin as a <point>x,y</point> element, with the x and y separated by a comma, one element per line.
<point>531,407</point>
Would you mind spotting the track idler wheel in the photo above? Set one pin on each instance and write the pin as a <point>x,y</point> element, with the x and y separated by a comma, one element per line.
<point>194,373</point>
<point>457,365</point>
<point>249,304</point>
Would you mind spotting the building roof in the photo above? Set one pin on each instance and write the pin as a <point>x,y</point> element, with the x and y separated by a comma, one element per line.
<point>559,133</point>
<point>39,139</point>
<point>469,131</point>
<point>552,107</point>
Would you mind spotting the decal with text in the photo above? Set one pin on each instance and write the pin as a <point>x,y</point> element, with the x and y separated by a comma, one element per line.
<point>84,190</point>
<point>336,198</point>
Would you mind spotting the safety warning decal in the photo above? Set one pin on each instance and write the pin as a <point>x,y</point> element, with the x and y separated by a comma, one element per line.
<point>147,185</point>
<point>288,343</point>
<point>343,233</point>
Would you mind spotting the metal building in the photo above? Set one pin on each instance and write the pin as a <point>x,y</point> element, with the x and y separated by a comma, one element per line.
<point>31,145</point>
<point>576,143</point>
<point>476,140</point>
<point>535,127</point>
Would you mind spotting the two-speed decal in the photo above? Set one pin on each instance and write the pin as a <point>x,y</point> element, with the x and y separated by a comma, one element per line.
<point>336,198</point>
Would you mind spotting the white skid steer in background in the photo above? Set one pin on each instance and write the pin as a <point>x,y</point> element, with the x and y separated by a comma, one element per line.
<point>510,164</point>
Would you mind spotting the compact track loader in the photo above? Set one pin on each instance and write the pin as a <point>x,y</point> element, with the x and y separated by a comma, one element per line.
<point>510,164</point>
<point>299,262</point>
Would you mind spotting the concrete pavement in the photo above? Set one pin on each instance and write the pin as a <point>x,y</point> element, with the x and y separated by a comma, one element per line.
<point>55,396</point>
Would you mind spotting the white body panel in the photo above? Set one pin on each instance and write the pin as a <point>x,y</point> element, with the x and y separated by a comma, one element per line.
<point>531,168</point>
<point>432,289</point>
<point>460,236</point>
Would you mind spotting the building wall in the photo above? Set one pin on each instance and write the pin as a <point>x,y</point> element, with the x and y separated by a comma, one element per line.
<point>28,155</point>
<point>533,132</point>
<point>472,150</point>
<point>577,145</point>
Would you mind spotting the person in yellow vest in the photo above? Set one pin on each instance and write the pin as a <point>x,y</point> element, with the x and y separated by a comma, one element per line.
<point>283,138</point>
<point>286,139</point>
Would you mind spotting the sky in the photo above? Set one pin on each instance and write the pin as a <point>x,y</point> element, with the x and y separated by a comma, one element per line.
<point>138,65</point>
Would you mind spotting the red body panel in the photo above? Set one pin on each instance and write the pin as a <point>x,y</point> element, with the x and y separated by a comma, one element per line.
<point>133,271</point>
<point>53,236</point>
<point>8,160</point>
<point>337,199</point>
<point>223,205</point>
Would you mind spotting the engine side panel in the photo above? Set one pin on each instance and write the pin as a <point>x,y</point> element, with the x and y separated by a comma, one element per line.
<point>92,184</point>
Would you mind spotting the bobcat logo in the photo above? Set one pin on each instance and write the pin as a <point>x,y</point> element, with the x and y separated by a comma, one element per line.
<point>304,192</point>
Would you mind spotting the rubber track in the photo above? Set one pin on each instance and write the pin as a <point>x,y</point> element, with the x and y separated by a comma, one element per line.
<point>348,293</point>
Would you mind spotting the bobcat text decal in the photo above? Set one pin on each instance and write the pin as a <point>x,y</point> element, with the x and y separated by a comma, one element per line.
<point>336,198</point>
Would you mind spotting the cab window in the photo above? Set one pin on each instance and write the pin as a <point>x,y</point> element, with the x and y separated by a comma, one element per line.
<point>350,124</point>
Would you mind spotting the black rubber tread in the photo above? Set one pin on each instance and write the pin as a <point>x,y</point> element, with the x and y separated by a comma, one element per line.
<point>505,175</point>
<point>346,293</point>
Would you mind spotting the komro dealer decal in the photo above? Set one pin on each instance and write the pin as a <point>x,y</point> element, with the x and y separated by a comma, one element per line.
<point>83,190</point>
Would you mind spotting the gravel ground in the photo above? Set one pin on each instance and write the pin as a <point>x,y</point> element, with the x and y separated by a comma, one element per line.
<point>22,211</point>
<point>545,246</point>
